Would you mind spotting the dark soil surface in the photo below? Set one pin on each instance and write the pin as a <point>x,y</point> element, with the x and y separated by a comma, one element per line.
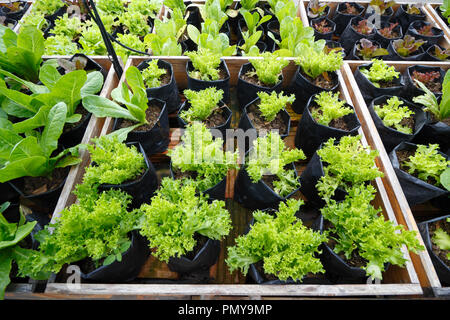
<point>434,119</point>
<point>38,185</point>
<point>387,84</point>
<point>349,9</point>
<point>259,123</point>
<point>320,81</point>
<point>165,78</point>
<point>444,225</point>
<point>433,86</point>
<point>151,115</point>
<point>215,119</point>
<point>187,174</point>
<point>338,123</point>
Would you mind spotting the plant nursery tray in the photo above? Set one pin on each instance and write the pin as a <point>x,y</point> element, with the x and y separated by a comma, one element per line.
<point>406,215</point>
<point>157,281</point>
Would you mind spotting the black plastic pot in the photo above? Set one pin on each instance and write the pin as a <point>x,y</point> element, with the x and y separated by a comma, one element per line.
<point>194,15</point>
<point>430,56</point>
<point>435,132</point>
<point>350,36</point>
<point>382,40</point>
<point>74,135</point>
<point>203,260</point>
<point>304,89</point>
<point>310,134</point>
<point>10,21</point>
<point>326,12</point>
<point>405,19</point>
<point>168,92</point>
<point>216,192</point>
<point>8,192</point>
<point>326,36</point>
<point>342,19</point>
<point>388,14</point>
<point>416,190</point>
<point>4,11</point>
<point>411,89</point>
<point>127,269</point>
<point>58,13</point>
<point>262,46</point>
<point>225,111</point>
<point>91,65</point>
<point>247,92</point>
<point>353,55</point>
<point>334,44</point>
<point>390,136</point>
<point>430,40</point>
<point>141,188</point>
<point>156,139</point>
<point>442,269</point>
<point>197,85</point>
<point>335,265</point>
<point>272,26</point>
<point>370,92</point>
<point>393,55</point>
<point>257,195</point>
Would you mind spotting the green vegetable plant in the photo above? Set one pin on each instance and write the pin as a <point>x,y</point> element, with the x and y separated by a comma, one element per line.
<point>283,9</point>
<point>413,9</point>
<point>269,156</point>
<point>442,239</point>
<point>203,104</point>
<point>358,228</point>
<point>152,74</point>
<point>439,110</point>
<point>175,4</point>
<point>35,19</point>
<point>330,107</point>
<point>135,23</point>
<point>60,45</point>
<point>210,38</point>
<point>131,41</point>
<point>33,156</point>
<point>199,153</point>
<point>254,20</point>
<point>271,104</point>
<point>148,8</point>
<point>379,71</point>
<point>206,64</point>
<point>160,46</point>
<point>115,7</point>
<point>268,67</point>
<point>11,249</point>
<point>212,10</point>
<point>393,112</point>
<point>407,46</point>
<point>286,247</point>
<point>368,50</point>
<point>316,62</point>
<point>249,47</point>
<point>441,54</point>
<point>47,7</point>
<point>445,9</point>
<point>380,6</point>
<point>69,27</point>
<point>427,164</point>
<point>248,5</point>
<point>176,214</point>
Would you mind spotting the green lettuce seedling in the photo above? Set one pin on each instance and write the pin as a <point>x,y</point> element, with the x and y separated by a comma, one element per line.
<point>198,152</point>
<point>206,64</point>
<point>152,74</point>
<point>69,27</point>
<point>442,239</point>
<point>440,110</point>
<point>271,104</point>
<point>316,62</point>
<point>286,247</point>
<point>379,71</point>
<point>135,23</point>
<point>47,7</point>
<point>269,156</point>
<point>330,108</point>
<point>392,114</point>
<point>175,4</point>
<point>203,103</point>
<point>36,20</point>
<point>148,8</point>
<point>176,214</point>
<point>359,228</point>
<point>427,164</point>
<point>269,68</point>
<point>131,41</point>
<point>253,21</point>
<point>115,7</point>
<point>210,38</point>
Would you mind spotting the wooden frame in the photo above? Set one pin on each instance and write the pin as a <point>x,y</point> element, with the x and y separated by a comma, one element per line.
<point>432,10</point>
<point>397,281</point>
<point>422,262</point>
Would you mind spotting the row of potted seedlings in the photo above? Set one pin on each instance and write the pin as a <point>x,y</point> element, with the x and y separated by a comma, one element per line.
<point>401,35</point>
<point>411,114</point>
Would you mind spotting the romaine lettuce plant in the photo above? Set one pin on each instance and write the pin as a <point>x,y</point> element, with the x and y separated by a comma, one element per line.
<point>392,114</point>
<point>199,153</point>
<point>35,19</point>
<point>268,68</point>
<point>131,41</point>
<point>379,71</point>
<point>160,46</point>
<point>271,104</point>
<point>330,108</point>
<point>253,21</point>
<point>203,104</point>
<point>286,247</point>
<point>175,4</point>
<point>269,156</point>
<point>176,214</point>
<point>427,164</point>
<point>206,64</point>
<point>212,10</point>
<point>211,39</point>
<point>249,47</point>
<point>293,34</point>
<point>440,110</point>
<point>152,74</point>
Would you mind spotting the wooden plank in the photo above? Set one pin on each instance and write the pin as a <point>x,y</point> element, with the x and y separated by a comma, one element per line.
<point>422,262</point>
<point>432,11</point>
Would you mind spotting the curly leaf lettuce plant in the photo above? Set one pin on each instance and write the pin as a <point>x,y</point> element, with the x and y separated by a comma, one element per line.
<point>392,114</point>
<point>152,74</point>
<point>203,104</point>
<point>199,153</point>
<point>427,164</point>
<point>379,71</point>
<point>330,108</point>
<point>60,45</point>
<point>69,27</point>
<point>176,214</point>
<point>131,41</point>
<point>206,64</point>
<point>285,246</point>
<point>271,104</point>
<point>268,68</point>
<point>407,46</point>
<point>345,164</point>
<point>440,111</point>
<point>47,7</point>
<point>135,23</point>
<point>358,228</point>
<point>146,7</point>
<point>269,156</point>
<point>368,50</point>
